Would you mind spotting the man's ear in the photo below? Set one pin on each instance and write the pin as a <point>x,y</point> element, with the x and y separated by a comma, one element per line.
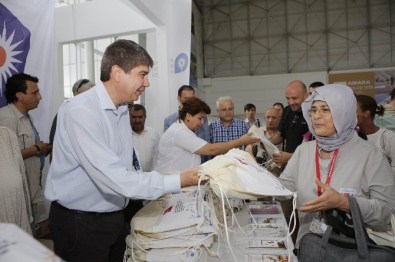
<point>116,72</point>
<point>19,95</point>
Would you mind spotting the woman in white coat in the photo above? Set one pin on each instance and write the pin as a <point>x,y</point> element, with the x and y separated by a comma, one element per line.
<point>180,148</point>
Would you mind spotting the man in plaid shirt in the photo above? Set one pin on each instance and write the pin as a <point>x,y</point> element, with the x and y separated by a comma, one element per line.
<point>227,127</point>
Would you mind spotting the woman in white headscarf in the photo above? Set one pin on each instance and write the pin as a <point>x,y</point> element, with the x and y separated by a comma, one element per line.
<point>338,164</point>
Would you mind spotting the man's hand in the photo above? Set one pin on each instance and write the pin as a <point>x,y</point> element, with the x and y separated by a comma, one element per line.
<point>189,177</point>
<point>281,158</point>
<point>45,148</point>
<point>330,198</point>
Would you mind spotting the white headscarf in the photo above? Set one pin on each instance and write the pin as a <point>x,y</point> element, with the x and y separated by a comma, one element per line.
<point>343,105</point>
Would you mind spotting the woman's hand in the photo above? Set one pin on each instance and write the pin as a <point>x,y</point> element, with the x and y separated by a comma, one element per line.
<point>330,198</point>
<point>281,158</point>
<point>249,139</point>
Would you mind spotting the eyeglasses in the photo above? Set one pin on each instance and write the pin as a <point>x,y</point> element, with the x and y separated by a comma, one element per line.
<point>322,111</point>
<point>226,109</point>
<point>83,82</point>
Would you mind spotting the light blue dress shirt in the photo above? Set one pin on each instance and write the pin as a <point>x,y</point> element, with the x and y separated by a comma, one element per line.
<point>92,167</point>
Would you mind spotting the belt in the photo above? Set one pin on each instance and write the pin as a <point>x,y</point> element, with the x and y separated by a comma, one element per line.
<point>55,203</point>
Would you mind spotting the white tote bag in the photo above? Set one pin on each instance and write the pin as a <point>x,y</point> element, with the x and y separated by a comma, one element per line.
<point>237,175</point>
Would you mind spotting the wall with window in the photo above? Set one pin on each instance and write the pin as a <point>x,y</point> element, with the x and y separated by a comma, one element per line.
<point>82,37</point>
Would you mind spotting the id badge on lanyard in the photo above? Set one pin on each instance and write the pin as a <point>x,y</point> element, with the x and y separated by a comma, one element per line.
<point>317,225</point>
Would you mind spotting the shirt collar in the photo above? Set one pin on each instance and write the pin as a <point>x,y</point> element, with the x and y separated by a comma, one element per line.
<point>105,100</point>
<point>144,131</point>
<point>16,111</point>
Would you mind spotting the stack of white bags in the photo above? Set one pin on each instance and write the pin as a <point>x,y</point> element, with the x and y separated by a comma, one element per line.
<point>178,227</point>
<point>174,228</point>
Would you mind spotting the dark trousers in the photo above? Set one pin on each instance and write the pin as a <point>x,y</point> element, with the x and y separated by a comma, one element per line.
<point>87,236</point>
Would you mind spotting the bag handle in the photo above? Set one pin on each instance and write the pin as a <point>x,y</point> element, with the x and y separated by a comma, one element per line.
<point>360,231</point>
<point>324,244</point>
<point>360,234</point>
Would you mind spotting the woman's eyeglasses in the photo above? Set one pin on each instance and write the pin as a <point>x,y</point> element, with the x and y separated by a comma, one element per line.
<point>322,111</point>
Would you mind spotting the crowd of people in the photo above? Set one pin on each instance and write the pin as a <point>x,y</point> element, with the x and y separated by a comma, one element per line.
<point>104,158</point>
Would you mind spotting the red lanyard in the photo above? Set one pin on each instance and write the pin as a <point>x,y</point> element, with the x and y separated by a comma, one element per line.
<point>330,171</point>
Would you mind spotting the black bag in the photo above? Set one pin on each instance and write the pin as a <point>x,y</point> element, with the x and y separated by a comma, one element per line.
<point>334,247</point>
<point>340,221</point>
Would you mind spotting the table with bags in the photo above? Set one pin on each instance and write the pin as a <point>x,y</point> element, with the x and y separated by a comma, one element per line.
<point>212,222</point>
<point>257,232</point>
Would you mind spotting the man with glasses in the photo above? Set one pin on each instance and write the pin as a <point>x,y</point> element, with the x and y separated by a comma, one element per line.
<point>22,94</point>
<point>227,127</point>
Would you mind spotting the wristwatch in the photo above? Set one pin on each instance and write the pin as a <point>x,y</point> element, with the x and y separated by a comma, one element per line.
<point>38,151</point>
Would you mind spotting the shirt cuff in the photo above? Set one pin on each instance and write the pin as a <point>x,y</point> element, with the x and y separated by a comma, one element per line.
<point>172,183</point>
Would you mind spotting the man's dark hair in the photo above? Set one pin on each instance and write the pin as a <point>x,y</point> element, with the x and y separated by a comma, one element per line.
<point>126,54</point>
<point>393,94</point>
<point>249,106</point>
<point>185,87</point>
<point>279,104</point>
<point>15,84</point>
<point>316,84</point>
<point>138,107</point>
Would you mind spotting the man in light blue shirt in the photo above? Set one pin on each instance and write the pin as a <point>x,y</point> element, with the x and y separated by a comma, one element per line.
<point>92,176</point>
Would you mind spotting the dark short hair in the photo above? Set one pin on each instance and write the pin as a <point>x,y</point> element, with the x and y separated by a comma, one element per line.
<point>193,106</point>
<point>249,106</point>
<point>15,84</point>
<point>138,107</point>
<point>393,94</point>
<point>369,103</point>
<point>278,104</point>
<point>185,87</point>
<point>126,54</point>
<point>316,84</point>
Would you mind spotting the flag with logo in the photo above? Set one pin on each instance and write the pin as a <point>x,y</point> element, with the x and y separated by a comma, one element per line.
<point>27,45</point>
